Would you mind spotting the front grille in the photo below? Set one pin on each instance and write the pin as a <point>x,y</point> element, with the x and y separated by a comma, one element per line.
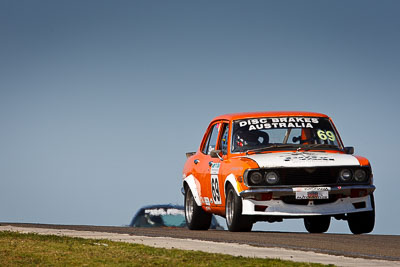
<point>308,176</point>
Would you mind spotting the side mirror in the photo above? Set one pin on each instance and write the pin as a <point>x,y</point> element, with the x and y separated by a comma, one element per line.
<point>189,154</point>
<point>349,150</point>
<point>216,154</point>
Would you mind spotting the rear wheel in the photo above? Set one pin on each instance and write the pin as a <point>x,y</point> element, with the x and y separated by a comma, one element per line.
<point>317,224</point>
<point>362,222</point>
<point>235,221</point>
<point>196,217</point>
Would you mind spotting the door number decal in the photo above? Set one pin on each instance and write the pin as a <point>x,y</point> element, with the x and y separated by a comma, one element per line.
<point>215,189</point>
<point>215,183</point>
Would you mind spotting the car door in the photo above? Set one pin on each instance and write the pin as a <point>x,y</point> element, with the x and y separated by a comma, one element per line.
<point>214,175</point>
<point>204,163</point>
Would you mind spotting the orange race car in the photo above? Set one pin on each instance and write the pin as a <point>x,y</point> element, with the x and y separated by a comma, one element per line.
<point>270,166</point>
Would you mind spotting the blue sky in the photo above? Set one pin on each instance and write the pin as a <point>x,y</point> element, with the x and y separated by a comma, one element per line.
<point>100,100</point>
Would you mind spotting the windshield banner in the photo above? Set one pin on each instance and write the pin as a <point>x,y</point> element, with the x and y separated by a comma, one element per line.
<point>284,122</point>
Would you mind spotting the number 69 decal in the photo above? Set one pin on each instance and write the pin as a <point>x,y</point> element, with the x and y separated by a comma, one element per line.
<point>323,135</point>
<point>215,189</point>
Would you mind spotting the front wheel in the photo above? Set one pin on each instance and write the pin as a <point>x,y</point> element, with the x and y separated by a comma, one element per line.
<point>362,222</point>
<point>317,224</point>
<point>196,217</point>
<point>235,221</point>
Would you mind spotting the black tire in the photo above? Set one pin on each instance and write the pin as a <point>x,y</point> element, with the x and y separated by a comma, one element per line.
<point>317,224</point>
<point>235,221</point>
<point>196,217</point>
<point>362,222</point>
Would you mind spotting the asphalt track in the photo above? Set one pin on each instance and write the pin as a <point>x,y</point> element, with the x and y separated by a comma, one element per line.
<point>380,247</point>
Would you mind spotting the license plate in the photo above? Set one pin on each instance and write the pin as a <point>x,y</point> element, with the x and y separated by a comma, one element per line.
<point>312,195</point>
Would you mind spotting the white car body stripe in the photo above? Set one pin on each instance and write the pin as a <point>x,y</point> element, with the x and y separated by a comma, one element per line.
<point>190,180</point>
<point>303,159</point>
<point>232,180</point>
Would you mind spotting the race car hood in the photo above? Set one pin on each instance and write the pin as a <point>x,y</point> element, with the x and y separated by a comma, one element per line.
<point>303,159</point>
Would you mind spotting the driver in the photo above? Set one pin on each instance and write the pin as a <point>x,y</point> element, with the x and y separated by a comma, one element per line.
<point>245,139</point>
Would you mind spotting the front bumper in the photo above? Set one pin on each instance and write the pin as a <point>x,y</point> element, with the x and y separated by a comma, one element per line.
<point>288,191</point>
<point>347,202</point>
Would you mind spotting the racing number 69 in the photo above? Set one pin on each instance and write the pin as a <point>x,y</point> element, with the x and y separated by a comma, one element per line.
<point>326,135</point>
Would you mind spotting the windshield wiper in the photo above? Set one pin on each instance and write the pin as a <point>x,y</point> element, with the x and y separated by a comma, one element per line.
<point>251,151</point>
<point>303,147</point>
<point>311,146</point>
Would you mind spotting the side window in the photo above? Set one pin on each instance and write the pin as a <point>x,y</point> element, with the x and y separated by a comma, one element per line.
<point>211,142</point>
<point>223,145</point>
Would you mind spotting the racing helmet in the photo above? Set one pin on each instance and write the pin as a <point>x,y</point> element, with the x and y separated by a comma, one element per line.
<point>250,139</point>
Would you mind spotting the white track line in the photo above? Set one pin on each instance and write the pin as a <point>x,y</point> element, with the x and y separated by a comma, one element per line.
<point>212,247</point>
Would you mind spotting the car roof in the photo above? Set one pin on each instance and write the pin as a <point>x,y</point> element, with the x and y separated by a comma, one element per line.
<point>162,206</point>
<point>260,114</point>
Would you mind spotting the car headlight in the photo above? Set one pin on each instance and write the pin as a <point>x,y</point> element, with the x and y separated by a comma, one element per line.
<point>272,177</point>
<point>345,175</point>
<point>256,178</point>
<point>360,175</point>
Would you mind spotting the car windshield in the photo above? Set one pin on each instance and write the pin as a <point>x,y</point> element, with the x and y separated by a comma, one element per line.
<point>161,217</point>
<point>260,134</point>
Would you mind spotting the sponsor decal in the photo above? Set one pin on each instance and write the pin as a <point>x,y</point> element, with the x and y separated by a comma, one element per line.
<point>312,195</point>
<point>215,168</point>
<point>306,157</point>
<point>283,122</point>
<point>312,192</point>
<point>309,189</point>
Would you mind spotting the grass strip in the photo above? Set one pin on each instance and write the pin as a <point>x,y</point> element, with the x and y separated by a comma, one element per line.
<point>18,249</point>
